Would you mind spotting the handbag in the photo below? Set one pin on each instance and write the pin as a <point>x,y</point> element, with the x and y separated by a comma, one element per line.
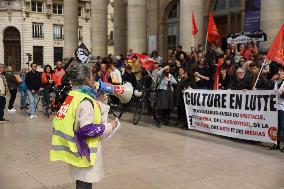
<point>18,79</point>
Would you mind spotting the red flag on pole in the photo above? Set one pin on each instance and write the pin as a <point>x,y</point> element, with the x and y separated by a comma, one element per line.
<point>146,61</point>
<point>194,27</point>
<point>276,52</point>
<point>217,75</point>
<point>212,32</point>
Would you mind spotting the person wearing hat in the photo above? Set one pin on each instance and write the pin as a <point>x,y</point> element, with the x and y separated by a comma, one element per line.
<point>79,128</point>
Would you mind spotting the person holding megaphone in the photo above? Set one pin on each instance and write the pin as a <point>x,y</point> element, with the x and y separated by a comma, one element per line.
<point>79,128</point>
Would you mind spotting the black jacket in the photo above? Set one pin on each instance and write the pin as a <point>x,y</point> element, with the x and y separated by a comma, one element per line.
<point>262,83</point>
<point>181,85</point>
<point>11,80</point>
<point>33,81</point>
<point>129,77</point>
<point>225,82</point>
<point>241,84</point>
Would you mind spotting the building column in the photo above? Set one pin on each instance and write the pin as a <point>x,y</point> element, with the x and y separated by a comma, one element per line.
<point>70,27</point>
<point>137,25</point>
<point>119,33</point>
<point>272,17</point>
<point>99,27</point>
<point>186,8</point>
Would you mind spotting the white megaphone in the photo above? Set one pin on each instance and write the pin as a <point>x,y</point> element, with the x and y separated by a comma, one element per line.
<point>122,92</point>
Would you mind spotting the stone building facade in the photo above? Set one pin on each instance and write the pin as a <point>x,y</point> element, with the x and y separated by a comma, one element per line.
<point>36,27</point>
<point>50,30</point>
<point>147,25</point>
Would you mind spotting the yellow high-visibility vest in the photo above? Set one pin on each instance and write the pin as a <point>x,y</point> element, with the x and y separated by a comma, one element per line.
<point>63,146</point>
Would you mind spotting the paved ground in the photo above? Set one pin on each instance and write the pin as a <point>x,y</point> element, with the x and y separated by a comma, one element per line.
<point>140,157</point>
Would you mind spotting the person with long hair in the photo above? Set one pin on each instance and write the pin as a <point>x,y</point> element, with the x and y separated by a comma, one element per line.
<point>231,66</point>
<point>23,88</point>
<point>165,102</point>
<point>12,85</point>
<point>48,76</point>
<point>47,80</point>
<point>185,80</point>
<point>202,74</point>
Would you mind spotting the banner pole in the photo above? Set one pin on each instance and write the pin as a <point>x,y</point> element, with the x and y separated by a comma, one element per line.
<point>260,71</point>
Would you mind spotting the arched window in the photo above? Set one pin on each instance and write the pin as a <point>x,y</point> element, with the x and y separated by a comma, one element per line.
<point>172,25</point>
<point>12,48</point>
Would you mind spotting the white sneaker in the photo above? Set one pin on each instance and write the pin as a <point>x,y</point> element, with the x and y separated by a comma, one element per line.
<point>12,110</point>
<point>33,116</point>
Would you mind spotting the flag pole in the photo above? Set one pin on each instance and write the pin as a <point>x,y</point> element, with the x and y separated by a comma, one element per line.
<point>150,75</point>
<point>193,41</point>
<point>206,42</point>
<point>260,71</point>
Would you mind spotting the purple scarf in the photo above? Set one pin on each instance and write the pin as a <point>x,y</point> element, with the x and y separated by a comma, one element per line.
<point>85,132</point>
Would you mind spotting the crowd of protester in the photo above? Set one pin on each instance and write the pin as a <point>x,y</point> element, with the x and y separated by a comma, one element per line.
<point>180,70</point>
<point>29,84</point>
<point>177,71</point>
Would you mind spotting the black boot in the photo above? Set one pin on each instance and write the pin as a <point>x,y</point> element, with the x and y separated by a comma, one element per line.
<point>275,147</point>
<point>83,185</point>
<point>158,124</point>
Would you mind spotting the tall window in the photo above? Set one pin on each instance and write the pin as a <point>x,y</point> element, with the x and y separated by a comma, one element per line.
<point>58,32</point>
<point>37,30</point>
<point>227,16</point>
<point>37,6</point>
<point>38,55</point>
<point>80,11</point>
<point>172,28</point>
<point>58,54</point>
<point>57,9</point>
<point>80,33</point>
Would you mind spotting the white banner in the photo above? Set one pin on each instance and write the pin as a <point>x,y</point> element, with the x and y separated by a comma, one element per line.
<point>250,115</point>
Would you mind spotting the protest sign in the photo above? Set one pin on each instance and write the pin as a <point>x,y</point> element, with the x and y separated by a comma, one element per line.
<point>250,115</point>
<point>246,37</point>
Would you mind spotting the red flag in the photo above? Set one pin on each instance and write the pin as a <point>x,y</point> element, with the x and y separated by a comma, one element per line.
<point>217,75</point>
<point>194,27</point>
<point>146,61</point>
<point>212,32</point>
<point>276,52</point>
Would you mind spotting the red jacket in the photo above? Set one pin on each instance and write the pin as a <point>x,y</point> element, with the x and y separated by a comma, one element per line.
<point>58,76</point>
<point>45,78</point>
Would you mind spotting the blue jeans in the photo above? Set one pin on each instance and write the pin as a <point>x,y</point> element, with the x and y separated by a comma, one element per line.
<point>281,125</point>
<point>23,98</point>
<point>33,99</point>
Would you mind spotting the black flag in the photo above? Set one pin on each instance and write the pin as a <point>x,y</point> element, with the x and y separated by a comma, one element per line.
<point>83,54</point>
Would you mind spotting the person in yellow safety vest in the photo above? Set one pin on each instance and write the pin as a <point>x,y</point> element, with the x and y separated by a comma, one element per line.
<point>78,129</point>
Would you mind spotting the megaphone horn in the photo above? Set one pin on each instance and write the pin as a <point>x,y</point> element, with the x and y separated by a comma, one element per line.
<point>122,92</point>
